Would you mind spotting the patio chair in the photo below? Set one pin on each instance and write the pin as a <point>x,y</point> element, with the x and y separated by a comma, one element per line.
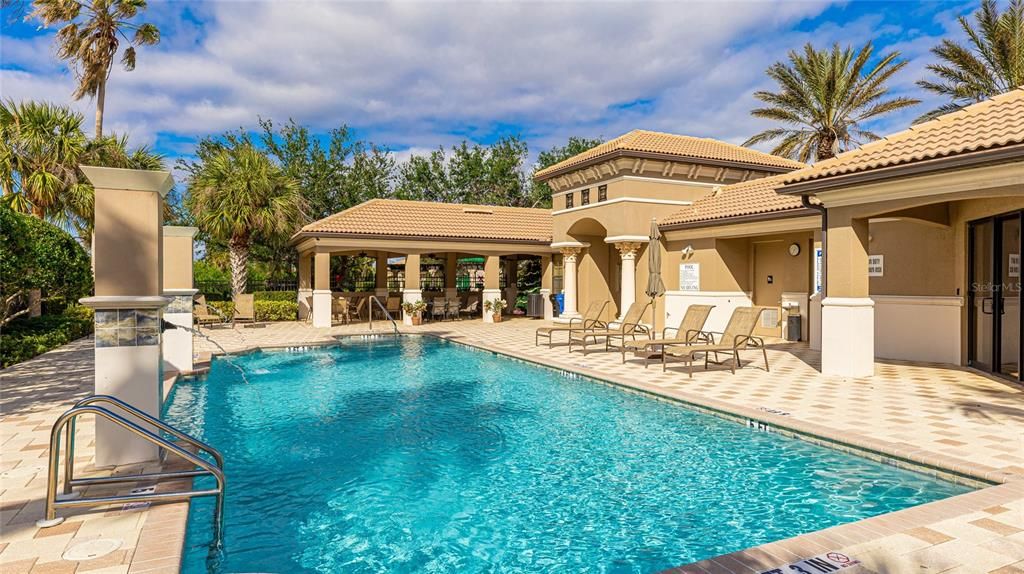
<point>309,308</point>
<point>630,326</point>
<point>738,335</point>
<point>204,314</point>
<point>340,309</point>
<point>472,307</point>
<point>244,308</point>
<point>590,319</point>
<point>452,308</point>
<point>690,330</point>
<point>357,306</point>
<point>439,308</point>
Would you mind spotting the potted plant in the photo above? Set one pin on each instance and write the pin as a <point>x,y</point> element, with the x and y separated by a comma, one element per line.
<point>414,309</point>
<point>494,307</point>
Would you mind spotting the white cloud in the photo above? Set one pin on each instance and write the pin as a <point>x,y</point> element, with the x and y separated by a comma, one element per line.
<point>412,75</point>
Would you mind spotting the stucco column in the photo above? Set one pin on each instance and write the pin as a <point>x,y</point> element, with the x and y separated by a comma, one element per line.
<point>177,271</point>
<point>492,284</point>
<point>412,291</point>
<point>305,285</point>
<point>569,257</point>
<point>451,265</point>
<point>128,256</point>
<point>547,275</point>
<point>627,288</point>
<point>322,289</point>
<point>847,312</point>
<point>380,277</point>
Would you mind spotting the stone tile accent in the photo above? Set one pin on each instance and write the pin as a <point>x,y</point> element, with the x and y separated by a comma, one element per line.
<point>127,327</point>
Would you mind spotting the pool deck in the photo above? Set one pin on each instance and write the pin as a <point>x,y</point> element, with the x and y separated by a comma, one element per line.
<point>953,421</point>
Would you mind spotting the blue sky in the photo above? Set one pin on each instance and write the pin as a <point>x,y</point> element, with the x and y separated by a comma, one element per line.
<point>416,75</point>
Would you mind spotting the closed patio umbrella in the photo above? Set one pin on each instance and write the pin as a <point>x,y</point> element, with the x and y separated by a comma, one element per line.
<point>655,286</point>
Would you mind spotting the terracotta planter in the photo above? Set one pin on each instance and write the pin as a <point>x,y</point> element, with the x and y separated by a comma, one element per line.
<point>496,317</point>
<point>417,320</point>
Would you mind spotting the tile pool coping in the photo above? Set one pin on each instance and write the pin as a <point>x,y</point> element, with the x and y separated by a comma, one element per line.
<point>994,487</point>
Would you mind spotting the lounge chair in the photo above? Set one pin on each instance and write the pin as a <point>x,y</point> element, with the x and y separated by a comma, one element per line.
<point>738,335</point>
<point>356,307</point>
<point>394,306</point>
<point>689,331</point>
<point>439,308</point>
<point>591,319</point>
<point>472,307</point>
<point>452,308</point>
<point>244,309</point>
<point>204,314</point>
<point>630,326</point>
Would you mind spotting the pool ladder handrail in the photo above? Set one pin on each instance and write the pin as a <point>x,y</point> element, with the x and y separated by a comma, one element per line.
<point>383,309</point>
<point>65,425</point>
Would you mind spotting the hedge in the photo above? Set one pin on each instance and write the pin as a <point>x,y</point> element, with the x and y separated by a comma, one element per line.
<point>265,310</point>
<point>292,296</point>
<point>25,338</point>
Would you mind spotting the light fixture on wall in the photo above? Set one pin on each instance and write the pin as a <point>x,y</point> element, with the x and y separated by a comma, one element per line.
<point>688,251</point>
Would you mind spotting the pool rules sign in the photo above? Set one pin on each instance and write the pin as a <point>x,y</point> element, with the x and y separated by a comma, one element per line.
<point>821,564</point>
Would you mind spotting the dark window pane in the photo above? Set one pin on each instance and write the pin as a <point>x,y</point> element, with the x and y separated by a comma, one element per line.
<point>602,193</point>
<point>568,200</point>
<point>585,197</point>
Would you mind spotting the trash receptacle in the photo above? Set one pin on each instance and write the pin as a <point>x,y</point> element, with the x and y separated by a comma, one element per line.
<point>794,328</point>
<point>535,305</point>
<point>560,302</point>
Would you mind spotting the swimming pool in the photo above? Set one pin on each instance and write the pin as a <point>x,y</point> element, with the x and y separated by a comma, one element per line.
<point>420,455</point>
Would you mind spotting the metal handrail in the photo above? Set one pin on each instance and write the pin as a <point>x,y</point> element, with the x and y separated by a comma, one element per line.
<point>69,444</point>
<point>374,299</point>
<point>63,424</point>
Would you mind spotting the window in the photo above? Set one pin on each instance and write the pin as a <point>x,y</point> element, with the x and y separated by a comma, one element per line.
<point>585,197</point>
<point>602,193</point>
<point>568,201</point>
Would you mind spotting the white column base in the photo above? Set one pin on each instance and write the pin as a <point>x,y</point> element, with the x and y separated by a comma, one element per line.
<point>410,296</point>
<point>305,309</point>
<point>549,307</point>
<point>322,308</point>
<point>848,337</point>
<point>177,343</point>
<point>489,295</point>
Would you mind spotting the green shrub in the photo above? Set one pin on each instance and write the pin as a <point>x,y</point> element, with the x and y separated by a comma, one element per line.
<point>25,338</point>
<point>292,296</point>
<point>276,310</point>
<point>227,308</point>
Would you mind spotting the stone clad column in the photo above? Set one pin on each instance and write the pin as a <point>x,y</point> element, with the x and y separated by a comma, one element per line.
<point>847,312</point>
<point>412,292</point>
<point>492,284</point>
<point>627,288</point>
<point>127,254</point>
<point>569,257</point>
<point>177,271</point>
<point>322,289</point>
<point>546,280</point>
<point>305,286</point>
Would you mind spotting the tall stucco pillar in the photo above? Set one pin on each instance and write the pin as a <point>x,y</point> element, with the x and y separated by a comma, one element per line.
<point>177,271</point>
<point>412,292</point>
<point>321,289</point>
<point>847,312</point>
<point>569,257</point>
<point>128,257</point>
<point>380,277</point>
<point>547,276</point>
<point>305,286</point>
<point>492,284</point>
<point>451,269</point>
<point>627,288</point>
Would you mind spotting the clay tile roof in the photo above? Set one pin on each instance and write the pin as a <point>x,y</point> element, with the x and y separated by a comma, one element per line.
<point>686,147</point>
<point>993,123</point>
<point>399,218</point>
<point>752,197</point>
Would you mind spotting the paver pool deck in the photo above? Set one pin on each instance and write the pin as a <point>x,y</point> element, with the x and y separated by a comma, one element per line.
<point>953,421</point>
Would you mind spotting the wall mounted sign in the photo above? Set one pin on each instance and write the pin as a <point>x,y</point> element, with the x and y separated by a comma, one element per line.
<point>1013,268</point>
<point>818,257</point>
<point>689,276</point>
<point>876,265</point>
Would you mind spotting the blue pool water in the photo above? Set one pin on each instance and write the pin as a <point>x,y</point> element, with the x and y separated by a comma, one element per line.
<point>420,455</point>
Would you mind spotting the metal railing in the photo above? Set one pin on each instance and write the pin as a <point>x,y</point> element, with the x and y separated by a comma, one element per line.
<point>68,499</point>
<point>384,310</point>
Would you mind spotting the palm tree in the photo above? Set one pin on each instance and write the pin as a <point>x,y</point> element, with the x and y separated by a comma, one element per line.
<point>89,38</point>
<point>824,98</point>
<point>41,147</point>
<point>991,63</point>
<point>237,193</point>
